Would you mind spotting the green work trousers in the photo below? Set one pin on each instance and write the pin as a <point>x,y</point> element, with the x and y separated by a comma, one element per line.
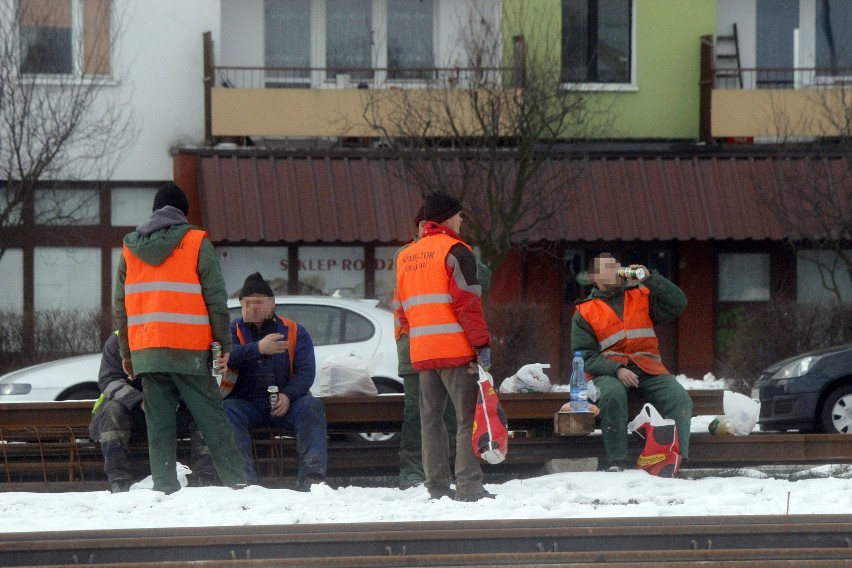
<point>410,441</point>
<point>200,394</point>
<point>663,391</point>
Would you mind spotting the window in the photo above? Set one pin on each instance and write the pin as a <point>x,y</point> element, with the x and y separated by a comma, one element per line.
<point>822,276</point>
<point>131,205</point>
<point>596,41</point>
<point>67,207</point>
<point>64,37</point>
<point>409,38</point>
<point>349,37</point>
<point>776,22</point>
<point>833,40</point>
<point>12,281</point>
<point>67,279</point>
<point>743,277</point>
<point>239,262</point>
<point>288,38</point>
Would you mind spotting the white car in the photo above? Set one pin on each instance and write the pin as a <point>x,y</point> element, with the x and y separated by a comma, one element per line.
<point>336,325</point>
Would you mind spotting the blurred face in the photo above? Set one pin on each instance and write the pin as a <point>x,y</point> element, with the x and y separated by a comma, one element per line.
<point>257,307</point>
<point>454,223</point>
<point>604,273</point>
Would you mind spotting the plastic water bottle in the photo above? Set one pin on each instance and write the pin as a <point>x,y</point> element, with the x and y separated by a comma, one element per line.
<point>579,387</point>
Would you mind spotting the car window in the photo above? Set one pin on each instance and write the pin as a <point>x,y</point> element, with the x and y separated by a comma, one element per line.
<point>356,327</point>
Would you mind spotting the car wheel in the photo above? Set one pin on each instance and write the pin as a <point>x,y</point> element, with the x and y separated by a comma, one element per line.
<point>384,387</point>
<point>837,411</point>
<point>85,392</point>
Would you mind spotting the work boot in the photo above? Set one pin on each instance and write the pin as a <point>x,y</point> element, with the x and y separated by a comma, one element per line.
<point>438,492</point>
<point>309,480</point>
<point>474,497</point>
<point>617,466</point>
<point>120,486</point>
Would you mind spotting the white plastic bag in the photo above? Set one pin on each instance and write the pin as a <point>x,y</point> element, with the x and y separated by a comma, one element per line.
<point>651,415</point>
<point>529,378</point>
<point>346,374</point>
<point>741,411</point>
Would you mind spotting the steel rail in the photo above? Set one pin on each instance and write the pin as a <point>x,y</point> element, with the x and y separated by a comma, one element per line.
<point>800,537</point>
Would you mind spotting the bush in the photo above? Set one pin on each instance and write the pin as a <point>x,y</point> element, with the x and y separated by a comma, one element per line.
<point>56,334</point>
<point>758,337</point>
<point>517,338</point>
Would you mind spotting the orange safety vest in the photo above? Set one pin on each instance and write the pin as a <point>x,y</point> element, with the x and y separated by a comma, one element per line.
<point>229,378</point>
<point>424,292</point>
<point>164,304</point>
<point>632,338</point>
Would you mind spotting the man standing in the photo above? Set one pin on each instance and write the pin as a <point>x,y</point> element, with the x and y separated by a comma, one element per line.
<point>410,436</point>
<point>441,311</point>
<point>270,350</point>
<point>170,304</point>
<point>119,414</point>
<point>613,329</point>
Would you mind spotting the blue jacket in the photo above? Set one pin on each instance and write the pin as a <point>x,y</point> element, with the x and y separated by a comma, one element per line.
<point>257,372</point>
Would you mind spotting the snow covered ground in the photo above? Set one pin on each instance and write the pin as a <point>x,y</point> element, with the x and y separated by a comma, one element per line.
<point>823,490</point>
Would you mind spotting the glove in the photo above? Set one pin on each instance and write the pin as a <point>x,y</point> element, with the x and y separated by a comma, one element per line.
<point>483,358</point>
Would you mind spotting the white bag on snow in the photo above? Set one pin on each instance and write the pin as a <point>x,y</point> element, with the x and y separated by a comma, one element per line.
<point>741,411</point>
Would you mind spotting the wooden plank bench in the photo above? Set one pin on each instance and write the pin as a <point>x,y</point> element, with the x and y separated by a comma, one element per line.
<point>69,455</point>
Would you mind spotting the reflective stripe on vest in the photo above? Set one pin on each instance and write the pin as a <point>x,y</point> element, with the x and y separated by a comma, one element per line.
<point>164,304</point>
<point>632,338</point>
<point>424,292</point>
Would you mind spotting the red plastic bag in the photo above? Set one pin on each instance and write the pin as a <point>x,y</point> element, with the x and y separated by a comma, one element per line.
<point>661,454</point>
<point>490,434</point>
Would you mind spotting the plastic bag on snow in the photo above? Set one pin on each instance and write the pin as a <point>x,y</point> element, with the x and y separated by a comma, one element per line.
<point>661,454</point>
<point>346,374</point>
<point>529,378</point>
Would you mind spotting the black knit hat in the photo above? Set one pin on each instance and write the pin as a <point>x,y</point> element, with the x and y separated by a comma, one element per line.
<point>171,194</point>
<point>419,217</point>
<point>440,206</point>
<point>255,284</point>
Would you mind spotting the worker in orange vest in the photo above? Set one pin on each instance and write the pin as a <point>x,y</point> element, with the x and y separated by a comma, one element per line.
<point>170,304</point>
<point>440,308</point>
<point>613,329</point>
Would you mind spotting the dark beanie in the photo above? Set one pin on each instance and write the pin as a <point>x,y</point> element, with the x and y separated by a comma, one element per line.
<point>255,284</point>
<point>419,217</point>
<point>440,206</point>
<point>171,194</point>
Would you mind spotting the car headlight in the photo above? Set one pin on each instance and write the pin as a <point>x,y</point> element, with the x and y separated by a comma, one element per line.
<point>15,388</point>
<point>797,368</point>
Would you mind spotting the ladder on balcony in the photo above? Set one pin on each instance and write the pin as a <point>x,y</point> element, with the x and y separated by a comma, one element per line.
<point>728,58</point>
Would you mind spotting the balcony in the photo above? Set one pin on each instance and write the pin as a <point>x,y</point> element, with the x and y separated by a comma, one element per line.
<point>773,103</point>
<point>277,102</point>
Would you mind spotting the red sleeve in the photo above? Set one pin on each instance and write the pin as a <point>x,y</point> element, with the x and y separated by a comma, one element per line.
<point>466,293</point>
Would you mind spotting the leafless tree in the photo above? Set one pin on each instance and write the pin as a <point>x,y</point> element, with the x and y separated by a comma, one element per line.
<point>810,191</point>
<point>491,135</point>
<point>61,119</point>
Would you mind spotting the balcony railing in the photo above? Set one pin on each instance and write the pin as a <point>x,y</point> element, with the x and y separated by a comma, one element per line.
<point>782,78</point>
<point>364,78</point>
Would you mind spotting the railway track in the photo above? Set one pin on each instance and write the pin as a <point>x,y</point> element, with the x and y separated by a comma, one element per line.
<point>757,541</point>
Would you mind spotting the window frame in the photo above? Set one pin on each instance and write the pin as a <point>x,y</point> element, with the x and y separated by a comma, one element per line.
<point>629,86</point>
<point>78,46</point>
<point>320,78</point>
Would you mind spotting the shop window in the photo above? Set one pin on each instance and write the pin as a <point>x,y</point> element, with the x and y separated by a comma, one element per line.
<point>823,276</point>
<point>597,41</point>
<point>238,262</point>
<point>385,275</point>
<point>67,207</point>
<point>67,279</point>
<point>743,277</point>
<point>332,271</point>
<point>64,37</point>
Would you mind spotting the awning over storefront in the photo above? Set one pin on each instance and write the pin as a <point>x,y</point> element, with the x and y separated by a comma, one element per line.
<point>247,197</point>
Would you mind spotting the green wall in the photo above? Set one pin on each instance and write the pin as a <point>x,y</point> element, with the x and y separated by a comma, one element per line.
<point>663,102</point>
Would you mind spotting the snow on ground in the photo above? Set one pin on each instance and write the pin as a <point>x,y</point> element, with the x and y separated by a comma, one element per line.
<point>823,490</point>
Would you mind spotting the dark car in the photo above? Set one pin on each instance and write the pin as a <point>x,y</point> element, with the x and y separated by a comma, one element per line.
<point>811,392</point>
